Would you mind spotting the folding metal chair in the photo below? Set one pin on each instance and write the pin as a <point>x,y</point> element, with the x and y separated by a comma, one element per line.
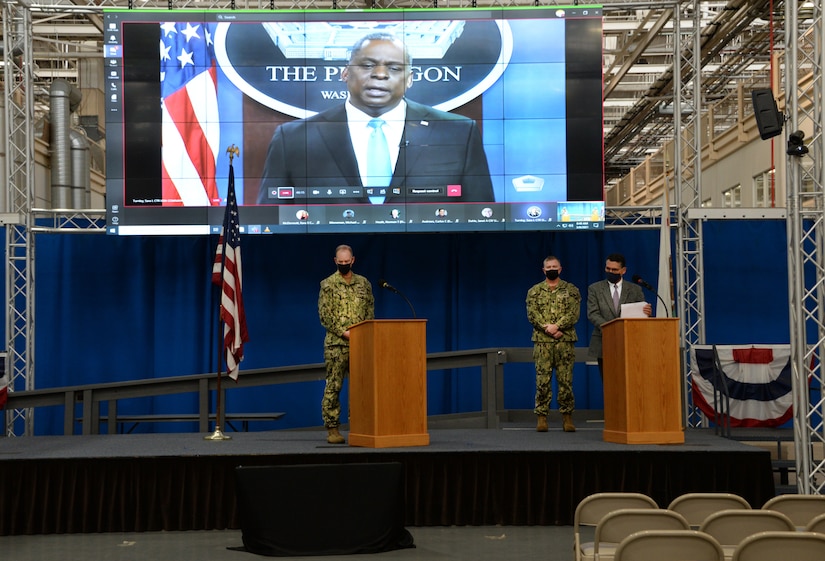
<point>593,508</point>
<point>658,545</point>
<point>801,509</point>
<point>695,507</point>
<point>731,527</point>
<point>771,546</point>
<point>617,525</point>
<point>817,524</point>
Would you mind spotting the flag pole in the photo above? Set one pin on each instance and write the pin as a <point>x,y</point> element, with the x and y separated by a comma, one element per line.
<point>665,255</point>
<point>219,434</point>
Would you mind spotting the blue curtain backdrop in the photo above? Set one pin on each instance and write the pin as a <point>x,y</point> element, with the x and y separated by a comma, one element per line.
<point>126,308</point>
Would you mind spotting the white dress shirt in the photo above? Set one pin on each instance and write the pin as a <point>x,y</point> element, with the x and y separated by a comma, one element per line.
<point>359,132</point>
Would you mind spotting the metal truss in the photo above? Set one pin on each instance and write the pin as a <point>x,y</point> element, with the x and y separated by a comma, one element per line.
<point>687,170</point>
<point>632,217</point>
<point>19,169</point>
<point>68,221</point>
<point>804,62</point>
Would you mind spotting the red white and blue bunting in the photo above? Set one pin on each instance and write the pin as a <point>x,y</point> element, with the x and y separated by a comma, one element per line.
<point>758,379</point>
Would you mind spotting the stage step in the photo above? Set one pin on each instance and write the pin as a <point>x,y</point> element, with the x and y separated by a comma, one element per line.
<point>786,490</point>
<point>781,470</point>
<point>762,435</point>
<point>780,443</point>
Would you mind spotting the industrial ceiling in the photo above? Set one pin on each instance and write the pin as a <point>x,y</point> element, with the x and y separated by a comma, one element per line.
<point>640,45</point>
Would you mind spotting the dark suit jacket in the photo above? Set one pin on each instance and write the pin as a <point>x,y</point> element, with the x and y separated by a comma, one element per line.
<point>600,309</point>
<point>437,149</point>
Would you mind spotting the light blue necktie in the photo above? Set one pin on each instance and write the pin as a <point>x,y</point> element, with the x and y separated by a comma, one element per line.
<point>379,168</point>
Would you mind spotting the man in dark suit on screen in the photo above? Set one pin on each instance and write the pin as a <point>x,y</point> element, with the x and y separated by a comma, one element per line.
<point>386,147</point>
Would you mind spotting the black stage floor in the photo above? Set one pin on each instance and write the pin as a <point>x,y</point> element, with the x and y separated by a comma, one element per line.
<point>508,476</point>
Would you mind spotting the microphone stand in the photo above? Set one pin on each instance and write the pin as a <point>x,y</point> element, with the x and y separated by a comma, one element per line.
<point>384,284</point>
<point>664,304</point>
<point>407,300</point>
<point>667,313</point>
<point>641,282</point>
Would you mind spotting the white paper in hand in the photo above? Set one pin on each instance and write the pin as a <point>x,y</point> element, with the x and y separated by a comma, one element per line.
<point>634,310</point>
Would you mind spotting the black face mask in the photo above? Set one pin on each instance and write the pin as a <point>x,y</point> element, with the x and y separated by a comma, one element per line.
<point>344,268</point>
<point>551,274</point>
<point>614,277</point>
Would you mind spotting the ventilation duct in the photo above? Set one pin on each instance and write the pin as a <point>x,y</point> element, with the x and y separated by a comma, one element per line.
<point>63,100</point>
<point>81,189</point>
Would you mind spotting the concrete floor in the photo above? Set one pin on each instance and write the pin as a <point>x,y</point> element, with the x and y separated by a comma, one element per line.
<point>470,543</point>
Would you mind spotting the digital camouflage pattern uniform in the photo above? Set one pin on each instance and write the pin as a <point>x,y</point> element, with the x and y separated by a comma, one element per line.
<point>340,305</point>
<point>559,305</point>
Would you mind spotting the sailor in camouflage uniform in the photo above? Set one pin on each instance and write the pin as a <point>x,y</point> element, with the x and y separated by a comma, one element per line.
<point>553,308</point>
<point>345,299</point>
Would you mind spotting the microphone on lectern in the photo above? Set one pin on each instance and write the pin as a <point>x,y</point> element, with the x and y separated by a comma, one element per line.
<point>639,280</point>
<point>384,284</point>
<point>642,282</point>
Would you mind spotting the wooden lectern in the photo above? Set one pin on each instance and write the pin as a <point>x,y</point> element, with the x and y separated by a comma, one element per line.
<point>388,383</point>
<point>642,395</point>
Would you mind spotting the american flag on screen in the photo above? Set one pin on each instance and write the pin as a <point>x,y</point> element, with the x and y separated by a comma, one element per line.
<point>226,273</point>
<point>189,106</point>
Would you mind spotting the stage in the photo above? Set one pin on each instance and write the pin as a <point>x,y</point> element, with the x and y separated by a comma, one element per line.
<point>508,476</point>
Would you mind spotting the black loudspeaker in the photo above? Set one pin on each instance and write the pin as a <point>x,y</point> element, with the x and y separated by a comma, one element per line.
<point>768,118</point>
<point>322,509</point>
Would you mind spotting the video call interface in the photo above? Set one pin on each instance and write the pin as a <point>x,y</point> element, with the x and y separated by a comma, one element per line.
<point>499,127</point>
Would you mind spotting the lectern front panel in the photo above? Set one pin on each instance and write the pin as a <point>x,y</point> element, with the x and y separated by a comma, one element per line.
<point>642,394</point>
<point>388,384</point>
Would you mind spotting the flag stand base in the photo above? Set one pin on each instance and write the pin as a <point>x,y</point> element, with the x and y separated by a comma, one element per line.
<point>217,435</point>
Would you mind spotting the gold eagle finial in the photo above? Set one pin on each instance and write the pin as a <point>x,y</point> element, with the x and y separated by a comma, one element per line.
<point>233,151</point>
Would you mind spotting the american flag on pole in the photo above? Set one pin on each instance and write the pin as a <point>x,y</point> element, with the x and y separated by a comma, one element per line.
<point>226,273</point>
<point>189,107</point>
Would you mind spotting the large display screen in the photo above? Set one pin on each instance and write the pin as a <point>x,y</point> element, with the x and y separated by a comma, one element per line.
<point>355,121</point>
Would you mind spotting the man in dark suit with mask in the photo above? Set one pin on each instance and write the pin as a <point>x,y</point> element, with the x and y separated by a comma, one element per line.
<point>426,155</point>
<point>605,299</point>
